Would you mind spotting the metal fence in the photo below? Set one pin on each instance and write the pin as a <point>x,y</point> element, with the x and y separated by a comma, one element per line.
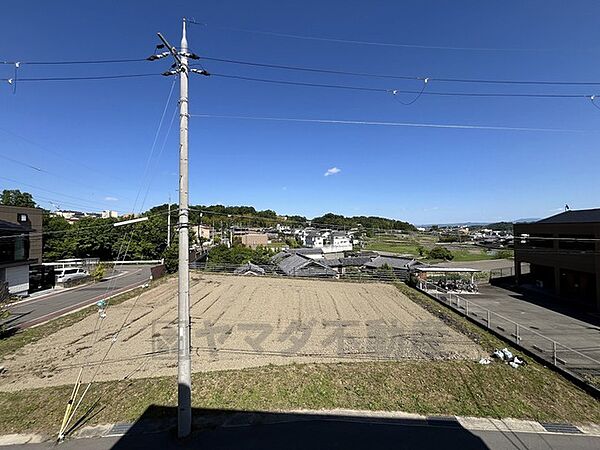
<point>347,274</point>
<point>508,271</point>
<point>560,355</point>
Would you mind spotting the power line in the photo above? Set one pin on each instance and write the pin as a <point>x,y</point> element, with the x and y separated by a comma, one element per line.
<point>60,155</point>
<point>39,169</point>
<point>402,77</point>
<point>12,180</point>
<point>392,124</point>
<point>100,77</point>
<point>402,91</point>
<point>60,63</point>
<point>371,43</point>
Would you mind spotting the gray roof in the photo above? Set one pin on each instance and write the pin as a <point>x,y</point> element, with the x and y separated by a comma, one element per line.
<point>299,265</point>
<point>279,256</point>
<point>306,251</point>
<point>393,262</point>
<point>351,261</point>
<point>249,267</point>
<point>575,216</point>
<point>313,234</point>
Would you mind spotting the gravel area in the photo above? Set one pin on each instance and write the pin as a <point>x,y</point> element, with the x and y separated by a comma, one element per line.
<point>240,322</point>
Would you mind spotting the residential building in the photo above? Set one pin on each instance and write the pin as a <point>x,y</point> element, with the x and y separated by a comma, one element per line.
<point>401,267</point>
<point>203,231</point>
<point>337,242</point>
<point>20,246</point>
<point>74,216</point>
<point>108,214</point>
<point>296,265</point>
<point>254,240</point>
<point>249,269</point>
<point>563,252</point>
<point>313,239</point>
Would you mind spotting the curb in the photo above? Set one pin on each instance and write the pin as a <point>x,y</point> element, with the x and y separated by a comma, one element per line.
<point>249,418</point>
<point>19,439</point>
<point>244,419</point>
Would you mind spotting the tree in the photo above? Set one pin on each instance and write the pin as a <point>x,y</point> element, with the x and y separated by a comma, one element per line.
<point>55,243</point>
<point>439,252</point>
<point>171,257</point>
<point>14,197</point>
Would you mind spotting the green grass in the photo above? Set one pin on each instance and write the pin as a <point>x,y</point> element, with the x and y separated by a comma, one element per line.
<point>444,387</point>
<point>424,387</point>
<point>393,247</point>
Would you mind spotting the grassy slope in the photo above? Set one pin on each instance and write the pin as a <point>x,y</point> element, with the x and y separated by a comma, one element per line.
<point>443,387</point>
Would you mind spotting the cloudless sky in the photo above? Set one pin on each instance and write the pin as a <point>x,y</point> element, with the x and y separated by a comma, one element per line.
<point>93,138</point>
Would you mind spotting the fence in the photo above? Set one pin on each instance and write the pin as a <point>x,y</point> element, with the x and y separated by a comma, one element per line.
<point>364,275</point>
<point>508,271</point>
<point>565,358</point>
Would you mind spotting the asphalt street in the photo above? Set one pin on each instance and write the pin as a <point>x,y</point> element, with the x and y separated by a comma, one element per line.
<point>39,309</point>
<point>334,434</point>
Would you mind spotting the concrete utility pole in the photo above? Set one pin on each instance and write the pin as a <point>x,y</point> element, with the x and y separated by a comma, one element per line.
<point>169,224</point>
<point>184,361</point>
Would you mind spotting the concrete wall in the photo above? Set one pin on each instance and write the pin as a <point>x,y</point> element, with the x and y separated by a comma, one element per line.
<point>17,278</point>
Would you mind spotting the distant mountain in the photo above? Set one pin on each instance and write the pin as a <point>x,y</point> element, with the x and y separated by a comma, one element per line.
<point>480,224</point>
<point>529,219</point>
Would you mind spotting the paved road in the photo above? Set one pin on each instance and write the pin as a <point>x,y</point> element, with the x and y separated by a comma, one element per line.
<point>37,310</point>
<point>335,434</point>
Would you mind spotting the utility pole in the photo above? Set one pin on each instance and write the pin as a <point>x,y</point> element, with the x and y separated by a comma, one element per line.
<point>169,224</point>
<point>184,361</point>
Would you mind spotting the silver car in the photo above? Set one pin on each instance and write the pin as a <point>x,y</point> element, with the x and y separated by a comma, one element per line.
<point>64,275</point>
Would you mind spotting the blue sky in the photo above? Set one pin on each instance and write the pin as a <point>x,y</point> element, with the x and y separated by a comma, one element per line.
<point>93,138</point>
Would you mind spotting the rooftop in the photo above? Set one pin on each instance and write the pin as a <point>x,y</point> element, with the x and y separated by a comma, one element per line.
<point>574,216</point>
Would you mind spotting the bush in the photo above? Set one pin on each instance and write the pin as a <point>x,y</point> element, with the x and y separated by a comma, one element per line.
<point>504,254</point>
<point>171,257</point>
<point>99,272</point>
<point>440,253</point>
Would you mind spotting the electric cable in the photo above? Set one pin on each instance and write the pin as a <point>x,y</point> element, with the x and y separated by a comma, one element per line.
<point>400,91</point>
<point>402,77</point>
<point>391,124</point>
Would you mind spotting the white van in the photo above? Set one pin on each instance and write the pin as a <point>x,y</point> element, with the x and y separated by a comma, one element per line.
<point>64,275</point>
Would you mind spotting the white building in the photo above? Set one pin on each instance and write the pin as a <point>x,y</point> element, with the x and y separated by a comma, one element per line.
<point>108,214</point>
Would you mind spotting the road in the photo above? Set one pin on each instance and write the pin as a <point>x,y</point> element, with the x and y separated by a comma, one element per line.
<point>39,309</point>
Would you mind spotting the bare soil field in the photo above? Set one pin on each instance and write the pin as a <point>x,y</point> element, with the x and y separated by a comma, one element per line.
<point>239,322</point>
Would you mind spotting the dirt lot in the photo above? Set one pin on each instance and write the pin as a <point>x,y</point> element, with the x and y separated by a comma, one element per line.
<point>240,322</point>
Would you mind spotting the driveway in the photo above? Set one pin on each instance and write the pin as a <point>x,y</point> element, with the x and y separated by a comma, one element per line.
<point>39,309</point>
<point>544,327</point>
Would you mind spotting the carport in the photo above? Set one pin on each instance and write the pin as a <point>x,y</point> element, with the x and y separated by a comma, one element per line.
<point>424,274</point>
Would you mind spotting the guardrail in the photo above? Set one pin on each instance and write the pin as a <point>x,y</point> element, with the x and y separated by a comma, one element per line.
<point>560,355</point>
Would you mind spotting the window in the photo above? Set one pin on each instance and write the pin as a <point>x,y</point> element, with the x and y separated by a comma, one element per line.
<point>22,218</point>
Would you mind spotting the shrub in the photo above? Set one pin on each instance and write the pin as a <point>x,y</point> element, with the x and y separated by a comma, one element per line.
<point>440,253</point>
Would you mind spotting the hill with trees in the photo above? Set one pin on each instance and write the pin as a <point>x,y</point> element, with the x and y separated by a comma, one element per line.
<point>368,222</point>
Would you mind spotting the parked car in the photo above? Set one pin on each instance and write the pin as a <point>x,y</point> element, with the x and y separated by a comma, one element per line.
<point>64,275</point>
